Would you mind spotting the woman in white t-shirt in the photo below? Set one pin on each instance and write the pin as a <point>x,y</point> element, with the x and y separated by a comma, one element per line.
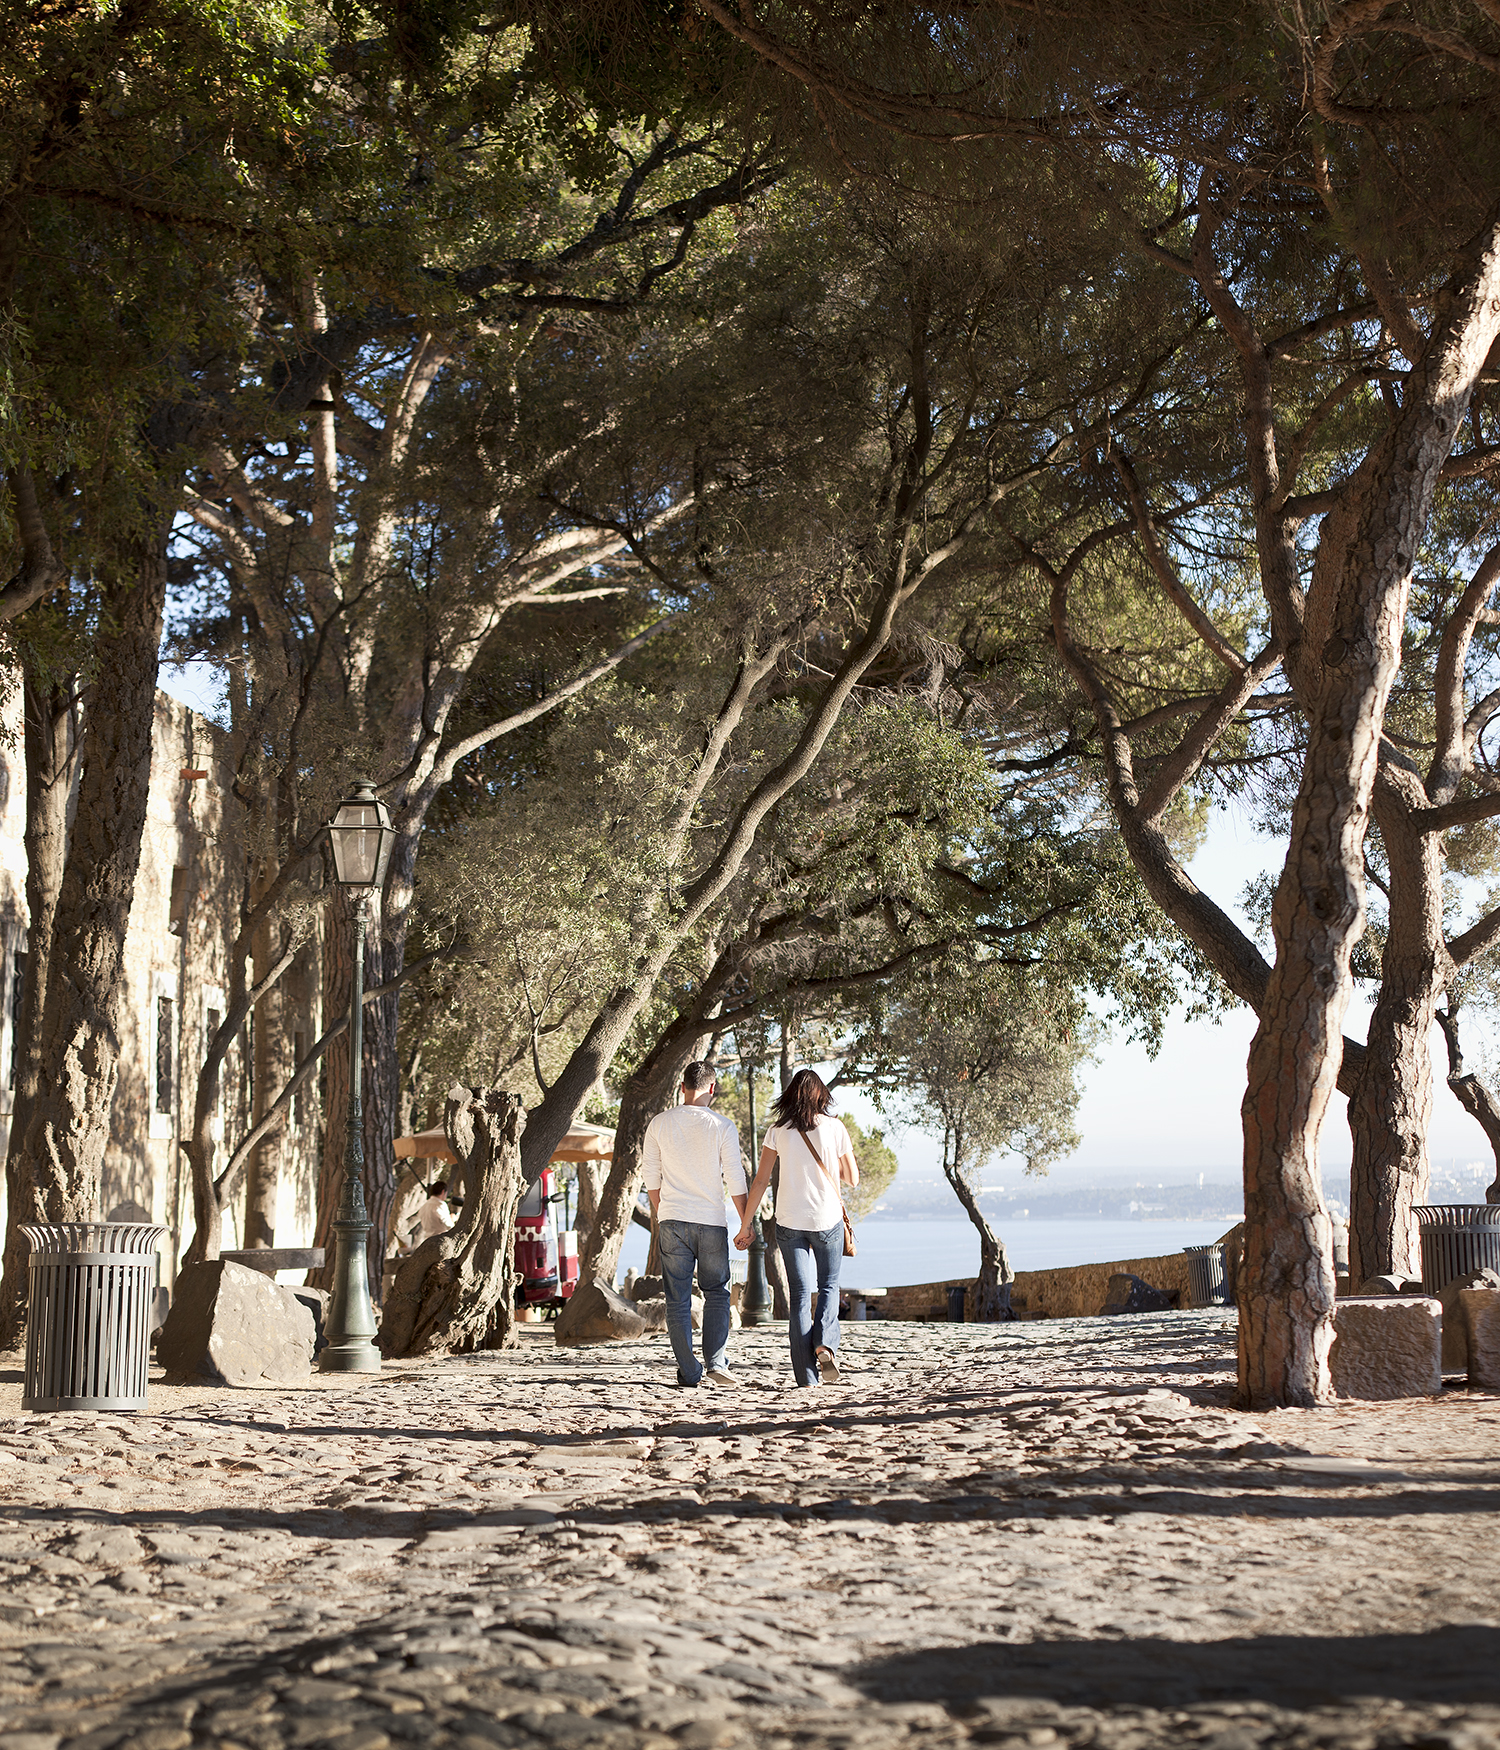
<point>816,1157</point>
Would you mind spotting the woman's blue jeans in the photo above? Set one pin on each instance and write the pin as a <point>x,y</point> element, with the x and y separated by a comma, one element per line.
<point>812,1264</point>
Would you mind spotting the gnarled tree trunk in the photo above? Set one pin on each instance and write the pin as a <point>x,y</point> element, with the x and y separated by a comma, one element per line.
<point>50,752</point>
<point>1471,1093</point>
<point>646,1093</point>
<point>591,1178</point>
<point>781,1299</point>
<point>1391,1107</point>
<point>992,1285</point>
<point>59,1155</point>
<point>456,1292</point>
<point>269,1045</point>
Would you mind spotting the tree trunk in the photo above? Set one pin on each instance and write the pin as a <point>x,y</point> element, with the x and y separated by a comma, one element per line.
<point>591,1179</point>
<point>1391,1107</point>
<point>456,1292</point>
<point>1355,611</point>
<point>382,1106</point>
<point>646,1093</point>
<point>67,1127</point>
<point>51,759</point>
<point>1287,1281</point>
<point>992,1285</point>
<point>268,1024</point>
<point>338,990</point>
<point>411,1194</point>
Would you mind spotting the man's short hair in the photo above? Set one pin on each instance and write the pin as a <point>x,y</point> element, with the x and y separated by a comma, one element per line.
<point>697,1075</point>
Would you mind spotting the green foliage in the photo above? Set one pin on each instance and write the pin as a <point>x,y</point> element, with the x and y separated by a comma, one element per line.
<point>877,1170</point>
<point>992,1061</point>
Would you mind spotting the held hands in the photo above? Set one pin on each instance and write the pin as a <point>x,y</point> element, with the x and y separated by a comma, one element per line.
<point>742,1238</point>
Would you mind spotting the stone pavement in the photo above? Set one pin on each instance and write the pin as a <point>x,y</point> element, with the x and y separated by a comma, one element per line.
<point>1026,1535</point>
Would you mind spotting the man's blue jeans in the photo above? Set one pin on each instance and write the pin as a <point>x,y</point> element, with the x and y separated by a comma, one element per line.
<point>683,1245</point>
<point>812,1263</point>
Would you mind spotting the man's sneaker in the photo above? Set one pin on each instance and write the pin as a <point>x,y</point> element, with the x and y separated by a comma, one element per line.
<point>828,1368</point>
<point>687,1384</point>
<point>722,1376</point>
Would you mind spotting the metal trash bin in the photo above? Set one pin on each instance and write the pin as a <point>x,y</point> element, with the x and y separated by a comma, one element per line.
<point>90,1292</point>
<point>1207,1282</point>
<point>956,1298</point>
<point>1457,1239</point>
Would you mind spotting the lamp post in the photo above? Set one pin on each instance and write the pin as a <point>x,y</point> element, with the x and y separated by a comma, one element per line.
<point>361,837</point>
<point>755,1299</point>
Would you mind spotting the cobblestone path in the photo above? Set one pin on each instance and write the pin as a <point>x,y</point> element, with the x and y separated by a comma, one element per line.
<point>1026,1535</point>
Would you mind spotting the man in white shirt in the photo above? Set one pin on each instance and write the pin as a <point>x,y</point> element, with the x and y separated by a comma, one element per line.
<point>691,1155</point>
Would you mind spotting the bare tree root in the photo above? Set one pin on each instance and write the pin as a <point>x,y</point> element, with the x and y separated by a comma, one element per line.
<point>456,1292</point>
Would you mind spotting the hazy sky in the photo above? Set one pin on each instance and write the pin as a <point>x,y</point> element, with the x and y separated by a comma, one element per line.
<point>1169,1119</point>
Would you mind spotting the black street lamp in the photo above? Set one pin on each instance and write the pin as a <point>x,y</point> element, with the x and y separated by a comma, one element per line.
<point>361,837</point>
<point>755,1297</point>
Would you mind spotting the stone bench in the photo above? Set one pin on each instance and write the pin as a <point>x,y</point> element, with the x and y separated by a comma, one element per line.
<point>859,1299</point>
<point>269,1259</point>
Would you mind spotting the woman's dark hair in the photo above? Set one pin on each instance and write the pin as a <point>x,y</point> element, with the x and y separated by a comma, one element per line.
<point>803,1101</point>
<point>438,1188</point>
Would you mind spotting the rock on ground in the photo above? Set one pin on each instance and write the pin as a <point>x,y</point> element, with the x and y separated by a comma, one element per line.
<point>235,1325</point>
<point>596,1314</point>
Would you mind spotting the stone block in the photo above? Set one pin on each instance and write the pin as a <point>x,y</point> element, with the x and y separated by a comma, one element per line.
<point>1133,1294</point>
<point>317,1301</point>
<point>1455,1329</point>
<point>1387,1346</point>
<point>236,1327</point>
<point>596,1314</point>
<point>1388,1285</point>
<point>1480,1311</point>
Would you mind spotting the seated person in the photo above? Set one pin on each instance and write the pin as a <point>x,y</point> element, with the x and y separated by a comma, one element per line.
<point>435,1217</point>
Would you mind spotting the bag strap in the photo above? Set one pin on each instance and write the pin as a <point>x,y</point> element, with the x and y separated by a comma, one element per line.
<point>818,1158</point>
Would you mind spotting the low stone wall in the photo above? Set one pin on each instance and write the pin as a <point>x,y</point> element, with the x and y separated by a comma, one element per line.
<point>1073,1293</point>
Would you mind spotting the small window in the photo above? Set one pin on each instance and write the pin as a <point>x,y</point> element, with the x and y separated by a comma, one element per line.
<point>177,903</point>
<point>17,997</point>
<point>164,1036</point>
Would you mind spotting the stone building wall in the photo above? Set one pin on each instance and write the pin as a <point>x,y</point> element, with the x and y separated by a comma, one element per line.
<point>182,919</point>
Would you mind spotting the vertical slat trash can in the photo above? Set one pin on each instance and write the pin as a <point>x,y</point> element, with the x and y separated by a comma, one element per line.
<point>88,1315</point>
<point>1457,1239</point>
<point>1206,1280</point>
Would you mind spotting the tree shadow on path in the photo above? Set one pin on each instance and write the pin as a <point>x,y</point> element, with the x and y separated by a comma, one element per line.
<point>1456,1664</point>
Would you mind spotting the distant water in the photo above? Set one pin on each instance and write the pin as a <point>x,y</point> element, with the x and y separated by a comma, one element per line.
<point>892,1253</point>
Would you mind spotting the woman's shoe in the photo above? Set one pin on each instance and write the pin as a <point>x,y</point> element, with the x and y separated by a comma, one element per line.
<point>828,1368</point>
